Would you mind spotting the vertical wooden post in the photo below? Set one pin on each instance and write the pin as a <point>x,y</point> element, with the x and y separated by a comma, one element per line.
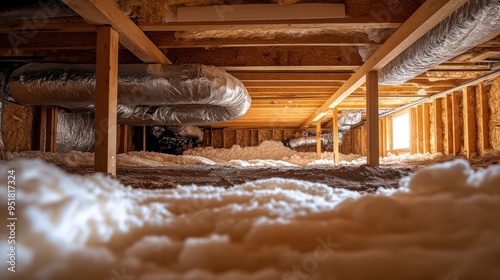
<point>383,132</point>
<point>456,123</point>
<point>469,110</point>
<point>438,126</point>
<point>420,129</point>
<point>144,138</point>
<point>484,117</point>
<point>318,140</point>
<point>123,139</point>
<point>372,118</point>
<point>449,124</point>
<point>363,140</point>
<point>388,134</point>
<point>427,127</point>
<point>336,152</point>
<point>43,129</point>
<point>106,100</point>
<point>52,116</point>
<point>413,131</point>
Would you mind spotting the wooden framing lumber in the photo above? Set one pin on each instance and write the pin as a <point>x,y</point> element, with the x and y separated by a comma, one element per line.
<point>335,123</point>
<point>438,126</point>
<point>372,119</point>
<point>389,134</point>
<point>420,129</point>
<point>469,111</point>
<point>429,14</point>
<point>106,100</point>
<point>51,134</point>
<point>42,145</point>
<point>383,133</point>
<point>457,134</point>
<point>413,131</point>
<point>448,127</point>
<point>106,12</point>
<point>484,117</point>
<point>318,140</point>
<point>123,147</point>
<point>363,140</point>
<point>427,127</point>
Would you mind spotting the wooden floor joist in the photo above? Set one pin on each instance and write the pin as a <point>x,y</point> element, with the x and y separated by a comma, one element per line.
<point>106,100</point>
<point>372,157</point>
<point>430,13</point>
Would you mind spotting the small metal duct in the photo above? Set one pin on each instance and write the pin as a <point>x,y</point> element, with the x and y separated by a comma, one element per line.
<point>476,22</point>
<point>147,94</point>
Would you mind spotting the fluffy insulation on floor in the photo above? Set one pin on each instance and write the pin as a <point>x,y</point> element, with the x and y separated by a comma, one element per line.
<point>442,224</point>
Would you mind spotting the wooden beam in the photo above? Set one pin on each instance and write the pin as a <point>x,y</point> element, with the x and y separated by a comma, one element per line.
<point>420,129</point>
<point>318,140</point>
<point>335,123</point>
<point>372,119</point>
<point>430,13</point>
<point>348,23</point>
<point>427,127</point>
<point>167,40</point>
<point>296,77</point>
<point>438,126</point>
<point>413,131</point>
<point>106,100</point>
<point>469,111</point>
<point>457,133</point>
<point>106,12</point>
<point>484,117</point>
<point>42,145</point>
<point>145,138</point>
<point>448,125</point>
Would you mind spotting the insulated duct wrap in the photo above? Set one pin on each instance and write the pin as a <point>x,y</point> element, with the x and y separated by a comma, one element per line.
<point>347,119</point>
<point>326,140</point>
<point>75,132</point>
<point>151,94</point>
<point>474,23</point>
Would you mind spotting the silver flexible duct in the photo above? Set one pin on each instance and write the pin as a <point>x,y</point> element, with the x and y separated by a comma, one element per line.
<point>474,23</point>
<point>147,94</point>
<point>75,132</point>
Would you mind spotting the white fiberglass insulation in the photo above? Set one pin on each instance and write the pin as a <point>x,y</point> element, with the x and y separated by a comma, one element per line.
<point>442,224</point>
<point>268,153</point>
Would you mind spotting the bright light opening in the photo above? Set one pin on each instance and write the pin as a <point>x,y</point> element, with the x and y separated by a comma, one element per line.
<point>401,131</point>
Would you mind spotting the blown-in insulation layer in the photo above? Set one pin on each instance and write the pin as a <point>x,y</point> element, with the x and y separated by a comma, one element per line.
<point>147,94</point>
<point>474,23</point>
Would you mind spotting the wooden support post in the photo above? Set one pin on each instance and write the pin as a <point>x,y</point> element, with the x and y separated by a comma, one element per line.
<point>427,127</point>
<point>484,117</point>
<point>456,123</point>
<point>413,131</point>
<point>372,118</point>
<point>438,126</point>
<point>52,116</point>
<point>420,129</point>
<point>335,122</point>
<point>448,130</point>
<point>144,138</point>
<point>388,134</point>
<point>383,130</point>
<point>363,140</point>
<point>469,109</point>
<point>318,140</point>
<point>43,130</point>
<point>123,139</point>
<point>381,138</point>
<point>106,100</point>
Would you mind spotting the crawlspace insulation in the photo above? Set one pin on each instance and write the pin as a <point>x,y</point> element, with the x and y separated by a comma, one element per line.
<point>17,127</point>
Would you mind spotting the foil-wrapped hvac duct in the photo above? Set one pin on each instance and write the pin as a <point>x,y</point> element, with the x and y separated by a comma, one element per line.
<point>148,94</point>
<point>474,23</point>
<point>75,132</point>
<point>347,119</point>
